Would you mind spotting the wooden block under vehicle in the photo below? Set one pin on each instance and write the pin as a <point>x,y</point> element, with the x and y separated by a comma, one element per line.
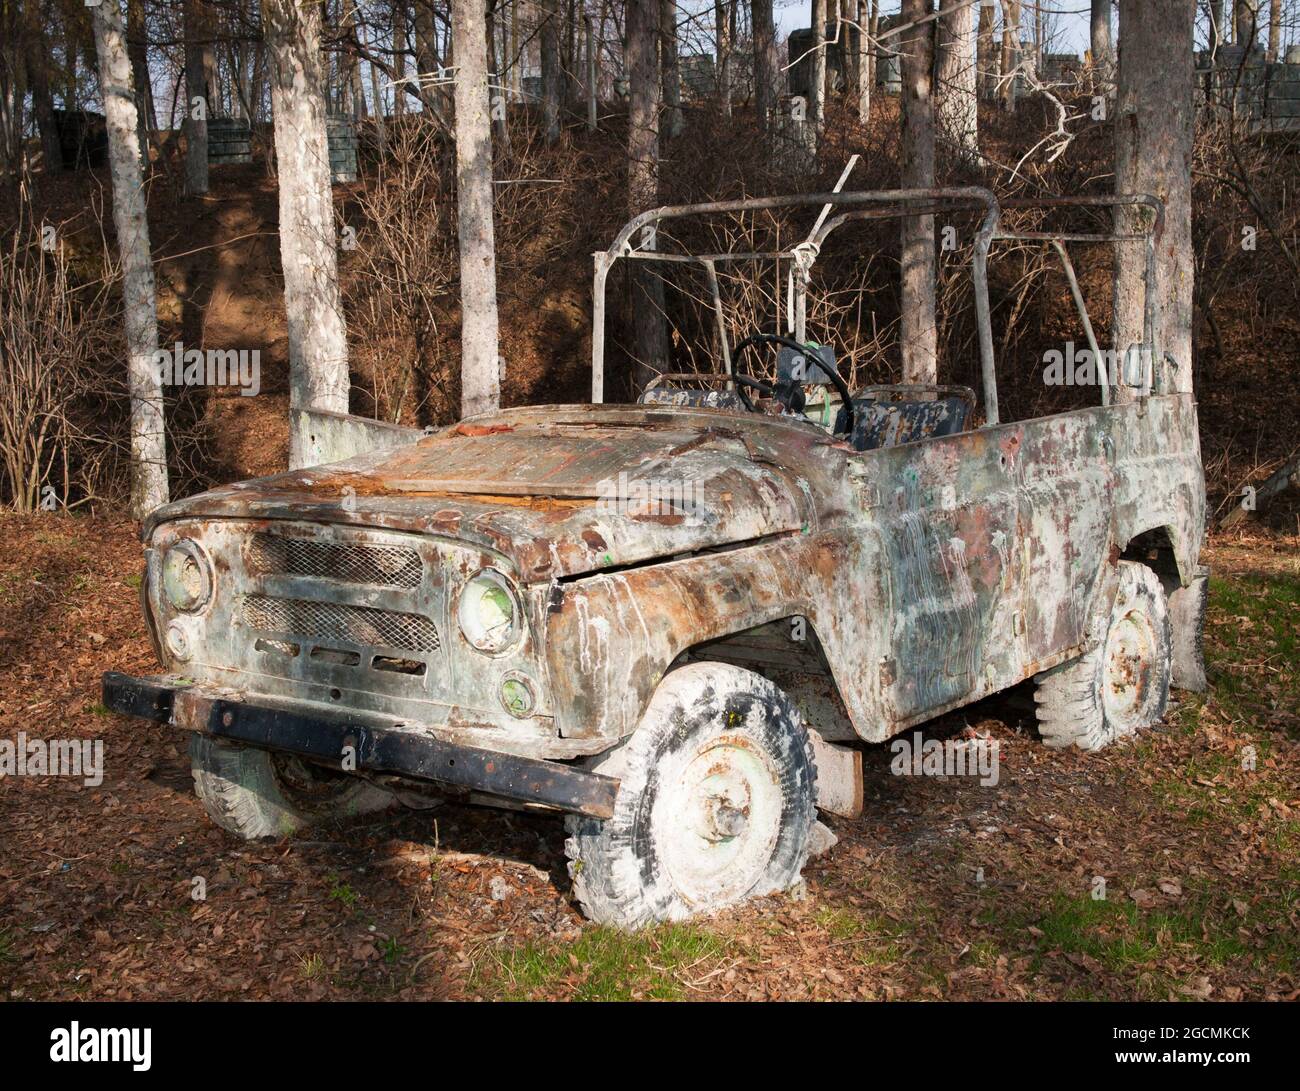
<point>839,777</point>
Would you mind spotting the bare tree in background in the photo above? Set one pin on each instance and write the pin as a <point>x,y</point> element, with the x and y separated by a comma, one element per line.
<point>552,76</point>
<point>766,72</point>
<point>318,347</point>
<point>986,51</point>
<point>817,113</point>
<point>1274,30</point>
<point>38,78</point>
<point>722,46</point>
<point>958,104</point>
<point>130,221</point>
<point>671,67</point>
<point>480,374</point>
<point>1010,53</point>
<point>1154,117</point>
<point>917,324</point>
<point>399,57</point>
<point>866,66</point>
<point>137,50</point>
<point>197,106</point>
<point>1246,19</point>
<point>651,349</point>
<point>1103,49</point>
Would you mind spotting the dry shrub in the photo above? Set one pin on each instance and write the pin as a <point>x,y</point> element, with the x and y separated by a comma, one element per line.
<point>56,404</point>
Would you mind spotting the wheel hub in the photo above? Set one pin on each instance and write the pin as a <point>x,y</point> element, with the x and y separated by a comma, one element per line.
<point>717,821</point>
<point>1130,651</point>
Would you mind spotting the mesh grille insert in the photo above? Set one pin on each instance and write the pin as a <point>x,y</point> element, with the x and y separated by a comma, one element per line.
<point>382,566</point>
<point>363,626</point>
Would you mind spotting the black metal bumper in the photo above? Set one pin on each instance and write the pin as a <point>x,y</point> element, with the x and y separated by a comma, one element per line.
<point>376,749</point>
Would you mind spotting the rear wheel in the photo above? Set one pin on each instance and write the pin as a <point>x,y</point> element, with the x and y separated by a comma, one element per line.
<point>716,802</point>
<point>259,793</point>
<point>1121,686</point>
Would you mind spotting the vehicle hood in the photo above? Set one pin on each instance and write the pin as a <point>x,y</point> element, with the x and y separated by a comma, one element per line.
<point>566,490</point>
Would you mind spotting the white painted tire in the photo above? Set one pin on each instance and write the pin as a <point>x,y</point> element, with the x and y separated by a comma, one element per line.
<point>1121,686</point>
<point>253,793</point>
<point>716,803</point>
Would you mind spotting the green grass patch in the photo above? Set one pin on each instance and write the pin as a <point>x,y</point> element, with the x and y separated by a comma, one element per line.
<point>605,964</point>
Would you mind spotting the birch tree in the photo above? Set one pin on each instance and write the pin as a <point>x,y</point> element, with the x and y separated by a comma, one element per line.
<point>917,325</point>
<point>130,221</point>
<point>651,349</point>
<point>318,349</point>
<point>868,24</point>
<point>480,379</point>
<point>958,104</point>
<point>1154,117</point>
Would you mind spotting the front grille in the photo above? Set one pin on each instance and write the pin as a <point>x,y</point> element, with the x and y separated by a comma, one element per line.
<point>363,626</point>
<point>379,566</point>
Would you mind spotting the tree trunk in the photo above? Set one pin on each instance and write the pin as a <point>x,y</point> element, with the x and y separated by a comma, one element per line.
<point>399,57</point>
<point>318,347</point>
<point>1274,30</point>
<point>866,31</point>
<point>552,77</point>
<point>672,73</point>
<point>137,45</point>
<point>958,99</point>
<point>1103,49</point>
<point>148,435</point>
<point>917,328</point>
<point>766,73</point>
<point>381,124</point>
<point>38,76</point>
<point>651,343</point>
<point>722,48</point>
<point>1153,154</point>
<point>592,70</point>
<point>986,52</point>
<point>1219,33</point>
<point>480,376</point>
<point>817,64</point>
<point>1010,52</point>
<point>197,107</point>
<point>1247,21</point>
<point>428,69</point>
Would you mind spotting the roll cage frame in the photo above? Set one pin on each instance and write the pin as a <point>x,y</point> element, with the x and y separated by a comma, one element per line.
<point>897,203</point>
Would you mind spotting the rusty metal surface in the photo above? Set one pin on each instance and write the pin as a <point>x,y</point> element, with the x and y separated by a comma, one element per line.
<point>931,573</point>
<point>928,574</point>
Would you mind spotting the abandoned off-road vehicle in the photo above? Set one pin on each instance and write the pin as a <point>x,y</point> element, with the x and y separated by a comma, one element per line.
<point>664,619</point>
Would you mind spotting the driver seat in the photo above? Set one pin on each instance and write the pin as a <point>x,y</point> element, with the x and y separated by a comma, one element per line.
<point>887,416</point>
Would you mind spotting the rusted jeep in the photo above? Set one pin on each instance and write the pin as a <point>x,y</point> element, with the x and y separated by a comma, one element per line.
<point>666,619</point>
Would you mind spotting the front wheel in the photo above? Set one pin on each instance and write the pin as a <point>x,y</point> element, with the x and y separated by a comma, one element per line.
<point>257,793</point>
<point>716,802</point>
<point>1121,686</point>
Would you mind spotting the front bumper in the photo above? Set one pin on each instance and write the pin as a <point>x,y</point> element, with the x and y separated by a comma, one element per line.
<point>380,748</point>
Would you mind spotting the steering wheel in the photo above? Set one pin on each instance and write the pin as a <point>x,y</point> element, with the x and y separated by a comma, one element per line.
<point>784,392</point>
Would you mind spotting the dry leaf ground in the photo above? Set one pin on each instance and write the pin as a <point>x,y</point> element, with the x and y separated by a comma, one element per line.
<point>943,889</point>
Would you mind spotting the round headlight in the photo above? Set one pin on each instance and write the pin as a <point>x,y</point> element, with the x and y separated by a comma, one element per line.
<point>187,576</point>
<point>489,611</point>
